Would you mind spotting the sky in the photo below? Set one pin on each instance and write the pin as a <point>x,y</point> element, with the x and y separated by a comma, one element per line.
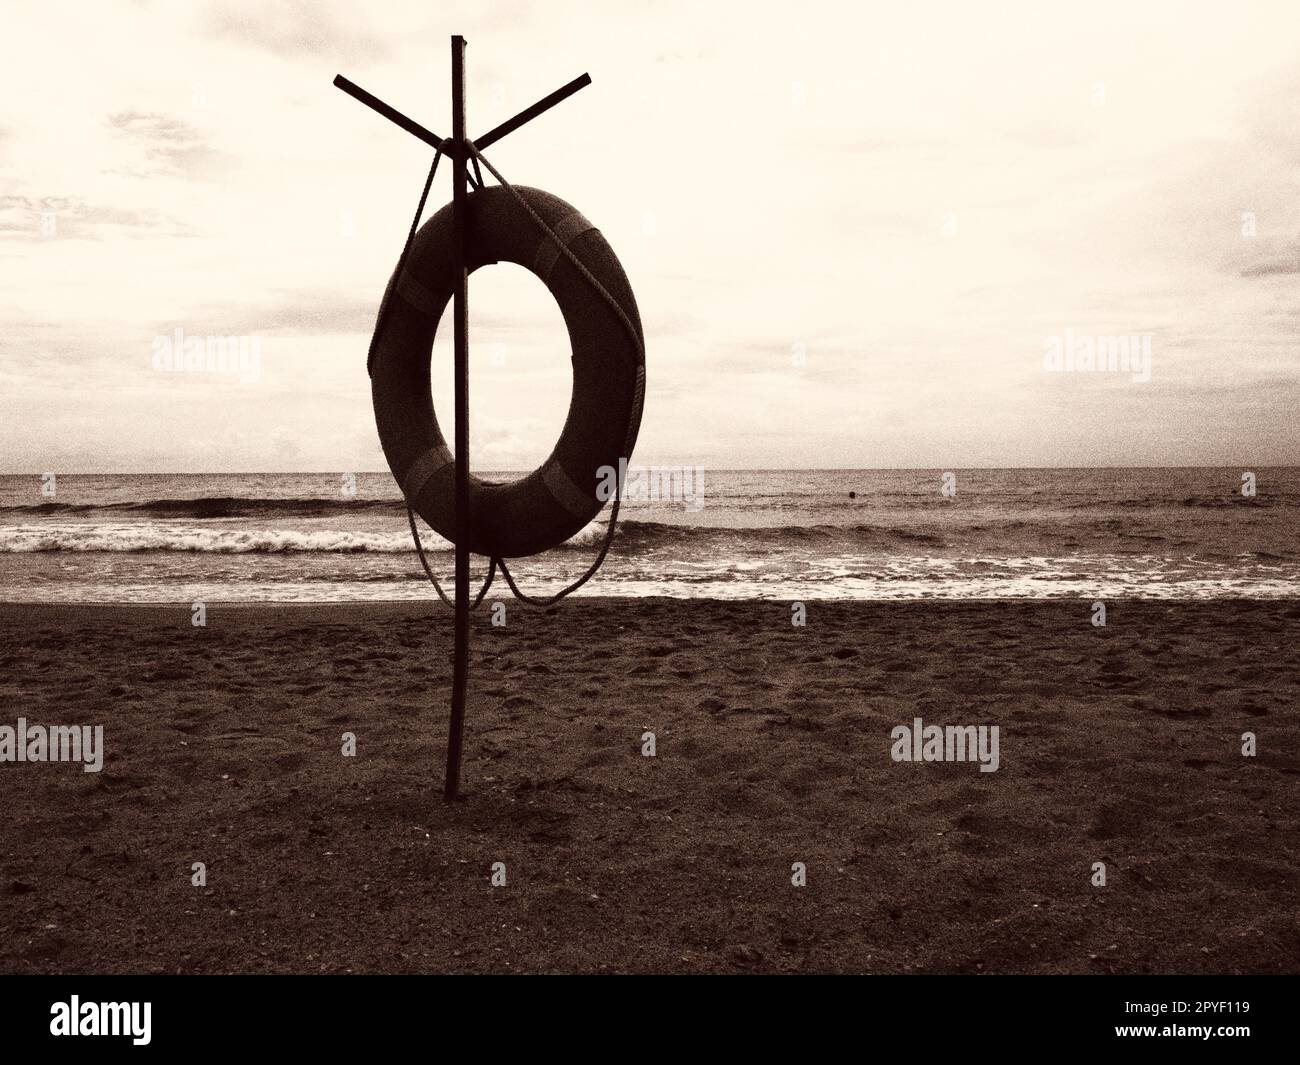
<point>853,229</point>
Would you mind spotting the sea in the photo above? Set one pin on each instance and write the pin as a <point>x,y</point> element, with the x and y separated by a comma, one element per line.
<point>1091,534</point>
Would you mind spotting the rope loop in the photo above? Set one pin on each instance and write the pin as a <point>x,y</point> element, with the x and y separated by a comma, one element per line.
<point>419,550</point>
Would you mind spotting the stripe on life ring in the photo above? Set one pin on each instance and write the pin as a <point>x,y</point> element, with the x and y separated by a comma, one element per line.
<point>423,470</point>
<point>416,293</point>
<point>564,491</point>
<point>568,229</point>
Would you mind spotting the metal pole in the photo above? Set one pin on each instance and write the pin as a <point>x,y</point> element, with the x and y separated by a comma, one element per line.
<point>460,664</point>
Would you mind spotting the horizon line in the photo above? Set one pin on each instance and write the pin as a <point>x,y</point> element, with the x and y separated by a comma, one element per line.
<point>717,469</point>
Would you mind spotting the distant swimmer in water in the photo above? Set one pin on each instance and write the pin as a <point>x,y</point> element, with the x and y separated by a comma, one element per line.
<point>853,495</point>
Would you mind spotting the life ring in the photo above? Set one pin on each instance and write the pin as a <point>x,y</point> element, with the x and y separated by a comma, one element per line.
<point>557,500</point>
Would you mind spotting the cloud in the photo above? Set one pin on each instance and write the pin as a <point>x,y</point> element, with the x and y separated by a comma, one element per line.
<point>295,27</point>
<point>168,146</point>
<point>67,217</point>
<point>304,312</point>
<point>803,210</point>
<point>1272,257</point>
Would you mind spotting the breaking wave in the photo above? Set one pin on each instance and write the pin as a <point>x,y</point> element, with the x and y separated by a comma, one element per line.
<point>143,537</point>
<point>634,536</point>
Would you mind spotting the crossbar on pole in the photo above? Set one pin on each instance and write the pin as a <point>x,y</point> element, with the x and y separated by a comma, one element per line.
<point>391,113</point>
<point>529,113</point>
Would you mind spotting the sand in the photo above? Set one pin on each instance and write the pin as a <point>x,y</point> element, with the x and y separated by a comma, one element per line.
<point>1119,745</point>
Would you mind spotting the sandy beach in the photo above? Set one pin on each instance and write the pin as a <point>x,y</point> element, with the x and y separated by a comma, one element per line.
<point>1119,745</point>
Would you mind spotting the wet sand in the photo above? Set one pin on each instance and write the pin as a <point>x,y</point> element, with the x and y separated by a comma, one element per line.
<point>1119,745</point>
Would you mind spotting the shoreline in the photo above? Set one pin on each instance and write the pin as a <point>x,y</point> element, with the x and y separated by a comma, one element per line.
<point>416,605</point>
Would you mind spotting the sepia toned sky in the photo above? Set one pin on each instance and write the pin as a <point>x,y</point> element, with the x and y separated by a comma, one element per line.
<point>852,228</point>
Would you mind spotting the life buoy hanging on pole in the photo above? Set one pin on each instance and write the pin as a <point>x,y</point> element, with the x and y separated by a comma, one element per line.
<point>557,500</point>
<point>545,235</point>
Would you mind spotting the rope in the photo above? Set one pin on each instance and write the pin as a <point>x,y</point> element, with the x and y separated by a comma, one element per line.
<point>533,600</point>
<point>419,550</point>
<point>370,359</point>
<point>401,263</point>
<point>564,249</point>
<point>637,342</point>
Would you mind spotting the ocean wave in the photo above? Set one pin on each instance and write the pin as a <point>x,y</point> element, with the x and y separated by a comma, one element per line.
<point>635,537</point>
<point>1229,500</point>
<point>650,534</point>
<point>214,507</point>
<point>649,540</point>
<point>143,537</point>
